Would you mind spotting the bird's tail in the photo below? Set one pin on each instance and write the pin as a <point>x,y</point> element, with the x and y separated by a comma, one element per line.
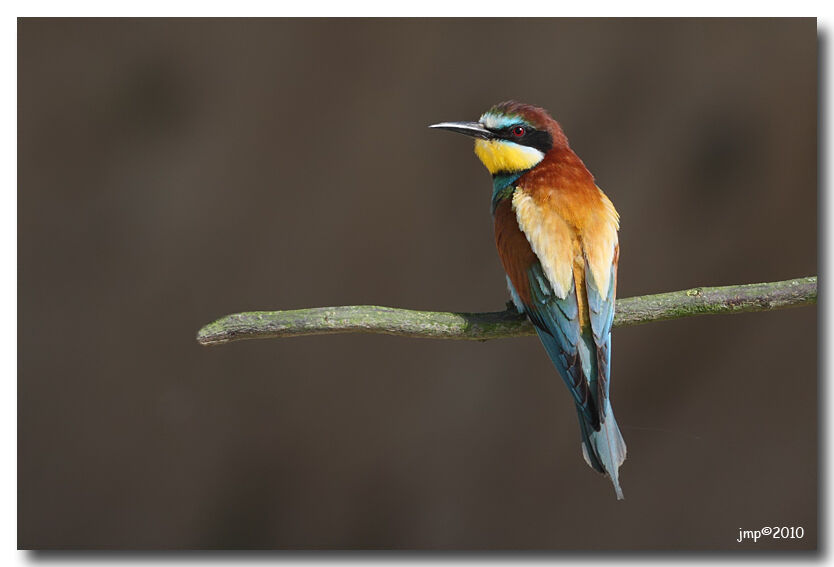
<point>604,450</point>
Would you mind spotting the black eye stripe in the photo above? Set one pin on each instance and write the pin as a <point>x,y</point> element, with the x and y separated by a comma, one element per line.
<point>539,139</point>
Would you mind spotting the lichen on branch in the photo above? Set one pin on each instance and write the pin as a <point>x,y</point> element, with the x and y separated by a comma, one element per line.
<point>500,324</point>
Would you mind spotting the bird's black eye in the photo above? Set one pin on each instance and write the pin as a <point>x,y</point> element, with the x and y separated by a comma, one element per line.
<point>519,131</point>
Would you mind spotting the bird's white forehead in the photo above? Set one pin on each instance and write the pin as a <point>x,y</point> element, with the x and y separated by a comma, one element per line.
<point>497,121</point>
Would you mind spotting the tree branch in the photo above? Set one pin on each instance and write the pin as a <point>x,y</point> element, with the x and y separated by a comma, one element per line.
<point>500,324</point>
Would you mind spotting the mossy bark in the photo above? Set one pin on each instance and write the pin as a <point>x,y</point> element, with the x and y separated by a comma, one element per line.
<point>500,324</point>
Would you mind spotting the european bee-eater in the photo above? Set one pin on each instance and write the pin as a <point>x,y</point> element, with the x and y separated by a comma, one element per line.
<point>556,234</point>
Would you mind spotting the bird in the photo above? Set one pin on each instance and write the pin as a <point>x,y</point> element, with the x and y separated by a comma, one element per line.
<point>556,235</point>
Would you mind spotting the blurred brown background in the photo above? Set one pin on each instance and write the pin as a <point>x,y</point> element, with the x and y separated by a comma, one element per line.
<point>173,171</point>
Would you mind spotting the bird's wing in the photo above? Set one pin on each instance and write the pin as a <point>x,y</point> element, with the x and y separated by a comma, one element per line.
<point>601,311</point>
<point>601,252</point>
<point>539,254</point>
<point>557,323</point>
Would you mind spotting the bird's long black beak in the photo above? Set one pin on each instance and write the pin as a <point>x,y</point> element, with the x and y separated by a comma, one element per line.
<point>474,129</point>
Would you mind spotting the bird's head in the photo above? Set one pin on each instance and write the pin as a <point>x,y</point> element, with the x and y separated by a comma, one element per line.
<point>511,137</point>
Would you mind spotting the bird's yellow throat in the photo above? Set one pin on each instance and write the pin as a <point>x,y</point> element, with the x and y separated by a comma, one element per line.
<point>506,157</point>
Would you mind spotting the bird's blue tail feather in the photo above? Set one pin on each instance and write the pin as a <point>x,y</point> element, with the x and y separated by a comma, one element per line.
<point>604,450</point>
